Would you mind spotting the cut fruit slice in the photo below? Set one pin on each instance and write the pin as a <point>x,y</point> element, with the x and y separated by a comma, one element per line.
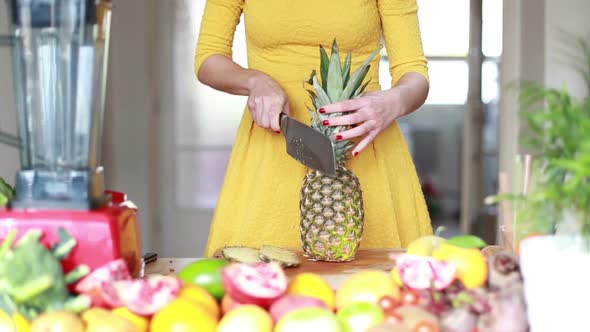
<point>241,255</point>
<point>285,257</point>
<point>259,284</point>
<point>147,296</point>
<point>98,285</point>
<point>420,272</point>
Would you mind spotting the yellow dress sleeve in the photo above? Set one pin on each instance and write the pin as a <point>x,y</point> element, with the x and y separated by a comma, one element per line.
<point>403,41</point>
<point>218,27</point>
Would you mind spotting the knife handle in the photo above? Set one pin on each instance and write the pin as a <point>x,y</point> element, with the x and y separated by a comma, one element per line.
<point>283,121</point>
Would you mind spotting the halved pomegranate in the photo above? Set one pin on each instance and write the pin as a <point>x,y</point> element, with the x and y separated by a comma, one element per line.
<point>149,295</point>
<point>422,272</point>
<point>259,284</point>
<point>98,285</point>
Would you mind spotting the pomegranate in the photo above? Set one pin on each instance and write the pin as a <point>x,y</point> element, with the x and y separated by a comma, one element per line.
<point>259,284</point>
<point>421,272</point>
<point>99,284</point>
<point>147,296</point>
<point>288,303</point>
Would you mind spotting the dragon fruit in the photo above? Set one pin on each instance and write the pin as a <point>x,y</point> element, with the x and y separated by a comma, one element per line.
<point>422,272</point>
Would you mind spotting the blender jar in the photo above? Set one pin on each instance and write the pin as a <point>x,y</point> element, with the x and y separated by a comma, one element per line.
<point>59,52</point>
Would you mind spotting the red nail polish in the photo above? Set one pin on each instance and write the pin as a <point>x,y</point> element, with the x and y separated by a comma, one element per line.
<point>278,132</point>
<point>326,123</point>
<point>338,137</point>
<point>322,110</point>
<point>355,154</point>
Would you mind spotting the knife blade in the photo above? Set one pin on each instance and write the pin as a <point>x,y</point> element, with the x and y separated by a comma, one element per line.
<point>309,146</point>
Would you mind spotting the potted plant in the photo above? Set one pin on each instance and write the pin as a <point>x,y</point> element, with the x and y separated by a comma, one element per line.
<point>556,205</point>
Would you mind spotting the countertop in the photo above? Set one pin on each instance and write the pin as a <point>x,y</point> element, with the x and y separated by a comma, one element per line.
<point>334,273</point>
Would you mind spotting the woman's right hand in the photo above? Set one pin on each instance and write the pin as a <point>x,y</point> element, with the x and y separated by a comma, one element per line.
<point>266,101</point>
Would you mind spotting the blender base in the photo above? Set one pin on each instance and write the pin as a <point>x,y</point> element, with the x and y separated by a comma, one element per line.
<point>103,235</point>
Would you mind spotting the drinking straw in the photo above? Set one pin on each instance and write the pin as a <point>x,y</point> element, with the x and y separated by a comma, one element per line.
<point>527,174</point>
<point>507,213</point>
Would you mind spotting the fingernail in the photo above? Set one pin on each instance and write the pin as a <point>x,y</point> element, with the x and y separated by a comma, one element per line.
<point>355,153</point>
<point>326,123</point>
<point>322,110</point>
<point>338,137</point>
<point>278,131</point>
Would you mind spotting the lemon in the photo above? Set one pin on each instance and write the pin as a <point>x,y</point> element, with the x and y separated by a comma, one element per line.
<point>21,323</point>
<point>246,318</point>
<point>424,246</point>
<point>366,286</point>
<point>312,285</point>
<point>141,323</point>
<point>183,315</point>
<point>471,264</point>
<point>201,296</point>
<point>396,277</point>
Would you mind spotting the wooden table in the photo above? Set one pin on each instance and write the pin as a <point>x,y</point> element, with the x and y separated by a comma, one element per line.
<point>334,273</point>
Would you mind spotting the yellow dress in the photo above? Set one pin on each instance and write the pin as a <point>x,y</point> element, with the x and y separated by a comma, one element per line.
<point>259,201</point>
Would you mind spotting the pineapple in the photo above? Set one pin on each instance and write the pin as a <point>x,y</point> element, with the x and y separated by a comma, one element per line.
<point>332,211</point>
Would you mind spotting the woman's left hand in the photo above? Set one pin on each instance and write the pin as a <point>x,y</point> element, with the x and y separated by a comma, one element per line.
<point>369,115</point>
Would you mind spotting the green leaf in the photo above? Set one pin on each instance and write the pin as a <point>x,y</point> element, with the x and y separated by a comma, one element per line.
<point>467,241</point>
<point>324,64</point>
<point>65,245</point>
<point>32,288</point>
<point>7,304</point>
<point>358,76</point>
<point>76,274</point>
<point>334,75</point>
<point>323,98</point>
<point>346,68</point>
<point>8,241</point>
<point>360,90</point>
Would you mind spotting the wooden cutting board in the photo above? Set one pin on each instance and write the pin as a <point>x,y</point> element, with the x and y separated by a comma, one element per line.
<point>334,273</point>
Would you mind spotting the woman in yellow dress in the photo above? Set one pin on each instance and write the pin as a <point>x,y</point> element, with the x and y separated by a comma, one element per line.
<point>259,201</point>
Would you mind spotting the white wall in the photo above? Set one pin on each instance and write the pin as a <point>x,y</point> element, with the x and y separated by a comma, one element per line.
<point>572,16</point>
<point>130,135</point>
<point>9,159</point>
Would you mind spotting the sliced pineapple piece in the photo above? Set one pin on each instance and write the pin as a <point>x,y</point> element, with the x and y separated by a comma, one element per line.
<point>241,254</point>
<point>285,257</point>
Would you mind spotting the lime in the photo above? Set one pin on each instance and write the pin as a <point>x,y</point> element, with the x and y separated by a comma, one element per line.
<point>207,274</point>
<point>467,241</point>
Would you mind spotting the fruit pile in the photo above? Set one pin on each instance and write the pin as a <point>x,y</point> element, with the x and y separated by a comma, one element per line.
<point>437,285</point>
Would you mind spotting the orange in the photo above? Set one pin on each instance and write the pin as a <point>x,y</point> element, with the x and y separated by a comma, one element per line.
<point>366,286</point>
<point>201,296</point>
<point>246,318</point>
<point>471,264</point>
<point>182,315</point>
<point>312,285</point>
<point>141,323</point>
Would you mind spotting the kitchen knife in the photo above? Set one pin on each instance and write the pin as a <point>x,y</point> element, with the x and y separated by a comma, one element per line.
<point>309,146</point>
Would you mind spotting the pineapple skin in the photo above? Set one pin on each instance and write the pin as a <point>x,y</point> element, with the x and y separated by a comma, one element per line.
<point>331,209</point>
<point>332,216</point>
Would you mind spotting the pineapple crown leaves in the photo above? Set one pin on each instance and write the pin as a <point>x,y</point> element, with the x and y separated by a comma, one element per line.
<point>337,84</point>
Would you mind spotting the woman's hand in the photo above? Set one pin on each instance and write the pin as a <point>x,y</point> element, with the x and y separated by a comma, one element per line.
<point>376,110</point>
<point>266,100</point>
<point>369,115</point>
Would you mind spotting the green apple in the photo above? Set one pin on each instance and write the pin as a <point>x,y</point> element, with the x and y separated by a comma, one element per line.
<point>309,319</point>
<point>360,316</point>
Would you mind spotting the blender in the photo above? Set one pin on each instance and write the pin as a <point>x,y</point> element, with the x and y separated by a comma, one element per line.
<point>59,62</point>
